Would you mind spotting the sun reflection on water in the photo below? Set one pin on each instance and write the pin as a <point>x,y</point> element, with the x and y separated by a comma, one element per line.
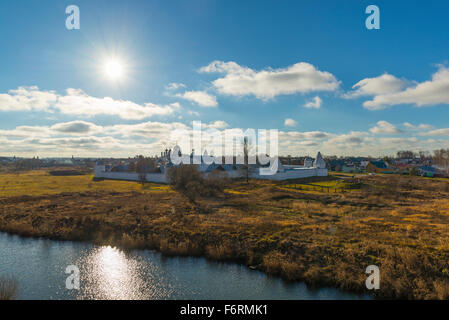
<point>110,273</point>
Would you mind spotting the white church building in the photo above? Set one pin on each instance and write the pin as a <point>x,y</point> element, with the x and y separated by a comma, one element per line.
<point>310,168</point>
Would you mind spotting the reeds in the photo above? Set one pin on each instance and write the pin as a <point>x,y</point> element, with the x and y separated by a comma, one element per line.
<point>8,288</point>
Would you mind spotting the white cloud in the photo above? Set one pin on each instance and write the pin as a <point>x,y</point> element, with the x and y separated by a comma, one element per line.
<point>175,86</point>
<point>353,138</point>
<point>409,142</point>
<point>223,67</point>
<point>149,138</point>
<point>409,125</point>
<point>421,126</point>
<point>296,135</point>
<point>315,103</point>
<point>301,77</point>
<point>150,129</point>
<point>193,113</point>
<point>383,84</point>
<point>75,127</point>
<point>27,99</point>
<point>428,93</point>
<point>25,131</point>
<point>200,97</point>
<point>437,132</point>
<point>65,128</point>
<point>290,123</point>
<point>384,127</point>
<point>76,102</point>
<point>219,124</point>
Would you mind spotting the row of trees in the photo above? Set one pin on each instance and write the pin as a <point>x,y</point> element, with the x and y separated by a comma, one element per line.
<point>142,164</point>
<point>28,164</point>
<point>407,154</point>
<point>439,157</point>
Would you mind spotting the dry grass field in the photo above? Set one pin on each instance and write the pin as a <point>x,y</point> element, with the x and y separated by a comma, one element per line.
<point>398,223</point>
<point>40,182</point>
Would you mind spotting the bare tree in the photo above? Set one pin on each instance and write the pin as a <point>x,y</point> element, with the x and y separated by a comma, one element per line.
<point>405,154</point>
<point>246,168</point>
<point>132,166</point>
<point>144,166</point>
<point>245,154</point>
<point>441,158</point>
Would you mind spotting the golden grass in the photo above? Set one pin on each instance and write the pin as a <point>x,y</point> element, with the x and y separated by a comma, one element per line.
<point>331,184</point>
<point>40,182</point>
<point>326,239</point>
<point>8,288</point>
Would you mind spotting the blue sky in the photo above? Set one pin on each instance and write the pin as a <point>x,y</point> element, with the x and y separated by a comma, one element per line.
<point>289,65</point>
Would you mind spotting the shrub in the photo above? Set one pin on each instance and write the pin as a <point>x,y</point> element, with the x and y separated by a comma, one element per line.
<point>187,180</point>
<point>8,289</point>
<point>216,182</point>
<point>179,177</point>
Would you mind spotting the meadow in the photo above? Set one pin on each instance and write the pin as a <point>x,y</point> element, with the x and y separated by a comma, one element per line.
<point>399,223</point>
<point>41,182</point>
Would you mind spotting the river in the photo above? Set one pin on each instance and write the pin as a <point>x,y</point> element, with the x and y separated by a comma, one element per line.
<point>39,266</point>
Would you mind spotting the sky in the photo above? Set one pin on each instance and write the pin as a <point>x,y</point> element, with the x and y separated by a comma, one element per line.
<point>135,71</point>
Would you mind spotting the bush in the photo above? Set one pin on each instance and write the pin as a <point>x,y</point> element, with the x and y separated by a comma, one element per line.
<point>179,177</point>
<point>216,182</point>
<point>187,180</point>
<point>8,289</point>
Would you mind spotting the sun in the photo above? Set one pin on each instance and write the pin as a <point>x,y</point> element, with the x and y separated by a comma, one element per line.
<point>113,69</point>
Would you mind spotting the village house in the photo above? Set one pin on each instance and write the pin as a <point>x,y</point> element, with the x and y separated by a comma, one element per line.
<point>379,167</point>
<point>404,168</point>
<point>427,171</point>
<point>351,168</point>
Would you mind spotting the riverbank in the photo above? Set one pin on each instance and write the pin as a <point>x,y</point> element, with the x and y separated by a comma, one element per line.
<point>325,239</point>
<point>111,273</point>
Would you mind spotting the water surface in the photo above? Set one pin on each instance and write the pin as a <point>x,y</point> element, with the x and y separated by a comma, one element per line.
<point>39,265</point>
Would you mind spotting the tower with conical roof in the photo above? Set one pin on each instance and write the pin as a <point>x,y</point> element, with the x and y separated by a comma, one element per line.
<point>319,162</point>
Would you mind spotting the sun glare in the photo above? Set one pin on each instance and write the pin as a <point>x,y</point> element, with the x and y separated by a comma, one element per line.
<point>113,69</point>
